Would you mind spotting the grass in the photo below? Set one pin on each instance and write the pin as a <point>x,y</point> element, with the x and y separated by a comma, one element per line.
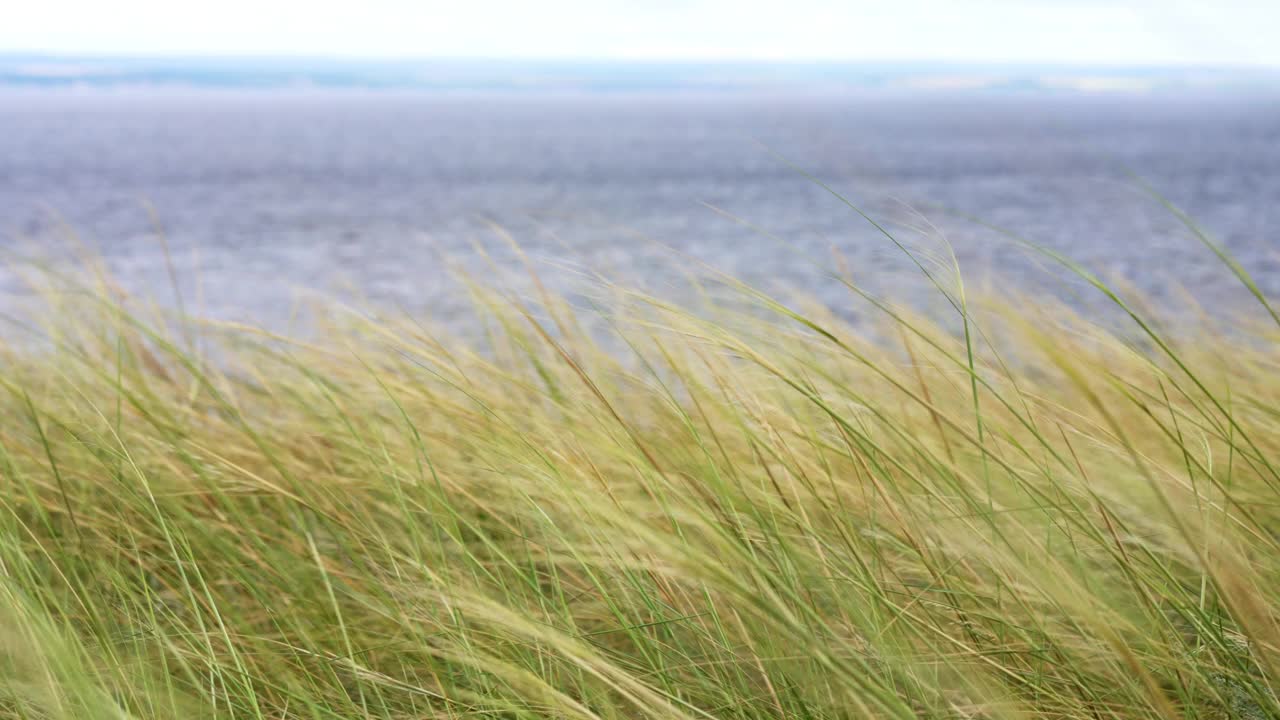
<point>746,511</point>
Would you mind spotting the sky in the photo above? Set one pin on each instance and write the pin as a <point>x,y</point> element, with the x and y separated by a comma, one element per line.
<point>1089,32</point>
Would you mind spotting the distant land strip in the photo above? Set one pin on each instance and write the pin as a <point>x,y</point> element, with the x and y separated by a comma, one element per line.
<point>40,70</point>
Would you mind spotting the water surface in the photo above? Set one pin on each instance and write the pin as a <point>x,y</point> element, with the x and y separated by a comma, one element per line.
<point>271,191</point>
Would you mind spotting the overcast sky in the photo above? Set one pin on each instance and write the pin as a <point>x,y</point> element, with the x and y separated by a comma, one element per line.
<point>1163,32</point>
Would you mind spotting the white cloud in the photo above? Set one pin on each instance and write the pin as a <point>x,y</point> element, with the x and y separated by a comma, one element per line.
<point>1087,31</point>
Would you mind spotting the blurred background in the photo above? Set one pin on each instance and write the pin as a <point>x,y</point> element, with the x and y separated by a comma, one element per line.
<point>280,148</point>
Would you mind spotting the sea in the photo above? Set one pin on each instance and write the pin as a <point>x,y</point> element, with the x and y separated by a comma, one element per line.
<point>255,202</point>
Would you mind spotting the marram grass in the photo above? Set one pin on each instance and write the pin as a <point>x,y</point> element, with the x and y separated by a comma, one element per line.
<point>758,512</point>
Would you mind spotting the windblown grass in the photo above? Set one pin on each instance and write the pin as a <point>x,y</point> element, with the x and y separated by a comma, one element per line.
<point>755,512</point>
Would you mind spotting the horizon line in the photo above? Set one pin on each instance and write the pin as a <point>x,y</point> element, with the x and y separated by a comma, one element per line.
<point>354,58</point>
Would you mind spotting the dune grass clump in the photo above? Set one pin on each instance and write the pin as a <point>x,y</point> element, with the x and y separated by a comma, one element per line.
<point>748,511</point>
